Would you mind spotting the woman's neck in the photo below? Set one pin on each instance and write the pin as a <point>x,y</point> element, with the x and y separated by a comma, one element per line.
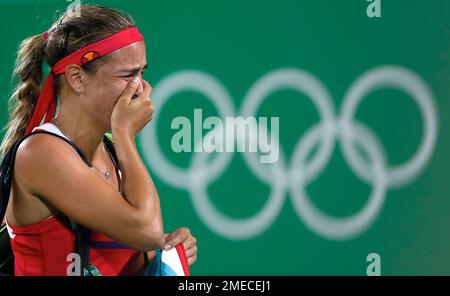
<point>81,129</point>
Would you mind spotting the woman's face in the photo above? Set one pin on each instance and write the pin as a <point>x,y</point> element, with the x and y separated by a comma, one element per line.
<point>102,89</point>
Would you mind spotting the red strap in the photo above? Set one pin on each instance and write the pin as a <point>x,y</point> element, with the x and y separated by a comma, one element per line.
<point>183,258</point>
<point>46,104</point>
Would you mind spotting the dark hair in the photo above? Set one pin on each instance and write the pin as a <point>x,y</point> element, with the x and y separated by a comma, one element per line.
<point>69,33</point>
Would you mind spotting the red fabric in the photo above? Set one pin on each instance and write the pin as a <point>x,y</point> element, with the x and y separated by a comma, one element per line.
<point>42,248</point>
<point>46,103</point>
<point>183,258</point>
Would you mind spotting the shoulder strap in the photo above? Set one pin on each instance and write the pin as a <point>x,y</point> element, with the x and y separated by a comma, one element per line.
<point>82,234</point>
<point>110,147</point>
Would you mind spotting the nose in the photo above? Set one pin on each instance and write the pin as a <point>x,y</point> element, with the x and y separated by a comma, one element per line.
<point>140,88</point>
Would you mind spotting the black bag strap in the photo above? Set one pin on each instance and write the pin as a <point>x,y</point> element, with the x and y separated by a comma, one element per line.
<point>82,234</point>
<point>112,151</point>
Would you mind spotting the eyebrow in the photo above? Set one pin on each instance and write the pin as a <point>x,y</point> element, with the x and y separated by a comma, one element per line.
<point>133,70</point>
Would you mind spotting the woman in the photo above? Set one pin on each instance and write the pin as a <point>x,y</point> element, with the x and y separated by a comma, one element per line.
<point>103,91</point>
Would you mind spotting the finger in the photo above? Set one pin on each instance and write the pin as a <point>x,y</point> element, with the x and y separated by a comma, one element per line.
<point>169,236</point>
<point>146,92</point>
<point>192,260</point>
<point>190,243</point>
<point>176,238</point>
<point>176,233</point>
<point>147,88</point>
<point>144,97</point>
<point>191,252</point>
<point>130,90</point>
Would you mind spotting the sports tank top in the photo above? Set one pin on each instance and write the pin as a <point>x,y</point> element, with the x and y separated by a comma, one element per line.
<point>46,247</point>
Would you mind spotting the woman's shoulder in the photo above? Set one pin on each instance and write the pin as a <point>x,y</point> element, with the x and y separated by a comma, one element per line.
<point>44,139</point>
<point>42,150</point>
<point>40,145</point>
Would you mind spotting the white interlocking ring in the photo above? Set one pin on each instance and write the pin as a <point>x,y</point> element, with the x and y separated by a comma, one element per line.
<point>296,176</point>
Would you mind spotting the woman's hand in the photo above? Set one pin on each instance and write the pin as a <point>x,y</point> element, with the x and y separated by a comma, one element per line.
<point>132,111</point>
<point>182,235</point>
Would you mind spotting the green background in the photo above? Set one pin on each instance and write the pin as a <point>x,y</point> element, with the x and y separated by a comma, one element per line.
<point>237,42</point>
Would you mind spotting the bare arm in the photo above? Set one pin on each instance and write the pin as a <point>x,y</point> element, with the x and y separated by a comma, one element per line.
<point>138,187</point>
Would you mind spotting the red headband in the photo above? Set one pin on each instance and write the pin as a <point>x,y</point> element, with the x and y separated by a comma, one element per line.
<point>46,104</point>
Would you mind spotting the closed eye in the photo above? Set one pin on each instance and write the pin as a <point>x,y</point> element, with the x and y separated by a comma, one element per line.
<point>134,71</point>
<point>132,74</point>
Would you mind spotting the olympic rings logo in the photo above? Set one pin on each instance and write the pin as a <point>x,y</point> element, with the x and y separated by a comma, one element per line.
<point>295,177</point>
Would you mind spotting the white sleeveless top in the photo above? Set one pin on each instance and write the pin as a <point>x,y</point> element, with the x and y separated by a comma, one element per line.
<point>50,127</point>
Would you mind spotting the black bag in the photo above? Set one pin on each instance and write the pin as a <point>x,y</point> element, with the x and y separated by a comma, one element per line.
<point>82,234</point>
